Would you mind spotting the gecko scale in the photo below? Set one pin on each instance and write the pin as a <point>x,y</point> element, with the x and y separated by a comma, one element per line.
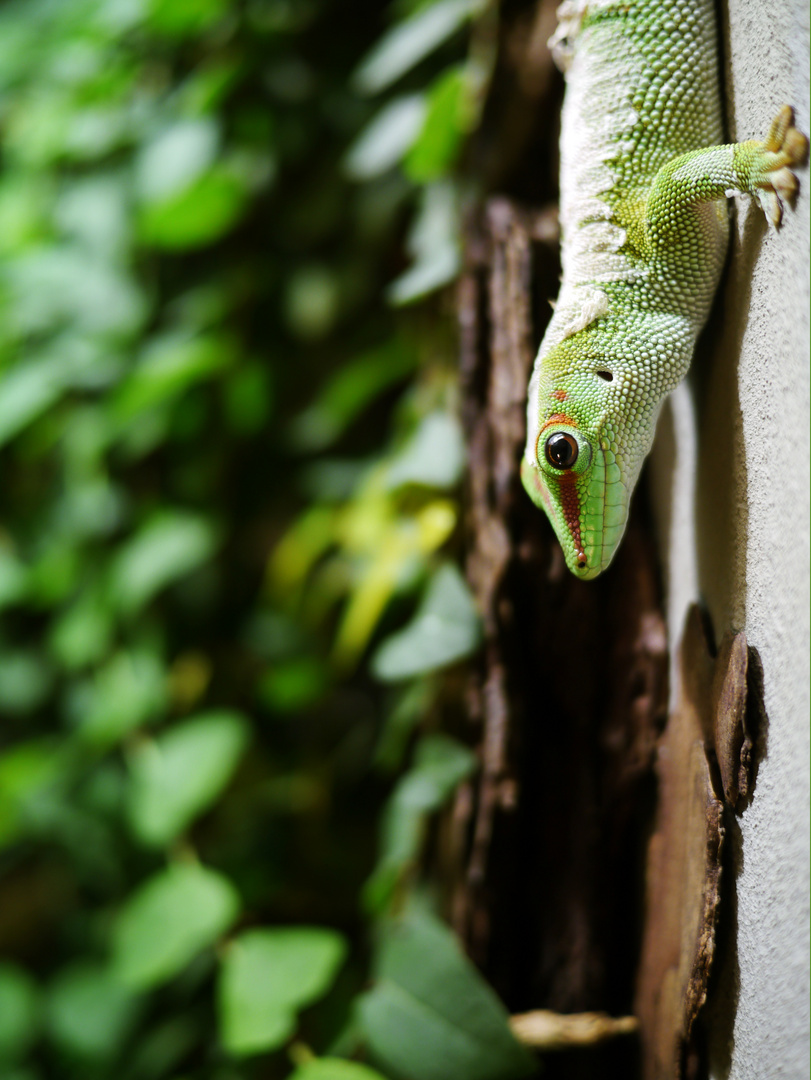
<point>644,227</point>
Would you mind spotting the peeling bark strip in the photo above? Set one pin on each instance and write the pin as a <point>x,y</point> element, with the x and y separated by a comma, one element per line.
<point>704,757</point>
<point>683,880</point>
<point>731,687</point>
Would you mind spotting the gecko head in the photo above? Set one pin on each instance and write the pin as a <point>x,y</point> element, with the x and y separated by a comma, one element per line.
<point>572,469</point>
<point>577,482</point>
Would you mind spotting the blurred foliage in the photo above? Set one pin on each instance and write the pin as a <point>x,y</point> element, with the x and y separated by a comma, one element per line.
<point>230,468</point>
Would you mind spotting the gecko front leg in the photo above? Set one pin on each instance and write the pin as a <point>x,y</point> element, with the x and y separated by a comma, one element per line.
<point>759,168</point>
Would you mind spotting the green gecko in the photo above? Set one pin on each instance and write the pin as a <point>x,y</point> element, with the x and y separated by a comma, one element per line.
<point>644,224</point>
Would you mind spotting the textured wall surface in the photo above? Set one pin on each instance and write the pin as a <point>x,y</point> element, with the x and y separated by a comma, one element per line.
<point>731,490</point>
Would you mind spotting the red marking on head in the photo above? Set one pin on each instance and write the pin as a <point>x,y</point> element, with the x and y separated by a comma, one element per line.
<point>559,395</point>
<point>559,418</point>
<point>570,503</point>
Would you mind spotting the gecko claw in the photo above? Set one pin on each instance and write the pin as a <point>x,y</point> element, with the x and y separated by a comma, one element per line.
<point>795,146</point>
<point>783,147</point>
<point>781,123</point>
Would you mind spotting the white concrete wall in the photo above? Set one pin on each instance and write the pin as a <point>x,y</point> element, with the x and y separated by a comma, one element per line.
<point>734,515</point>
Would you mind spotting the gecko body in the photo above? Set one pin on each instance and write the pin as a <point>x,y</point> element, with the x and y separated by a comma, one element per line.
<point>644,222</point>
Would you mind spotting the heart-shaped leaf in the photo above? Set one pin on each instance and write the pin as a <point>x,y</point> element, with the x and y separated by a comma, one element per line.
<point>168,921</point>
<point>267,976</point>
<point>430,1015</point>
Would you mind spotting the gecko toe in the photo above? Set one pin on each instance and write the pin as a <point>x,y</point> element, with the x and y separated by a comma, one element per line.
<point>783,147</point>
<point>795,146</point>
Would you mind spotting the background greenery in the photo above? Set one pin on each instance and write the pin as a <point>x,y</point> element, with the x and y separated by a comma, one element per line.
<point>230,460</point>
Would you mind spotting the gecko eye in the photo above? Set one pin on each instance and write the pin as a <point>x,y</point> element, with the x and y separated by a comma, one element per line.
<point>561,450</point>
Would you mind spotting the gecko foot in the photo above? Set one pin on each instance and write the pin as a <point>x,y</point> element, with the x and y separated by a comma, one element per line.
<point>783,147</point>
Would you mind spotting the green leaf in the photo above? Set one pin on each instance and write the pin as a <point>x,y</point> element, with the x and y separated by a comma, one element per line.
<point>93,212</point>
<point>430,1015</point>
<point>168,547</point>
<point>90,1013</point>
<point>19,1012</point>
<point>445,629</point>
<point>349,391</point>
<point>428,274</point>
<point>27,391</point>
<point>64,287</point>
<point>182,18</point>
<point>82,633</point>
<point>170,365</point>
<point>25,680</point>
<point>206,89</point>
<point>267,976</point>
<point>13,578</point>
<point>408,708</point>
<point>197,215</point>
<point>433,243</point>
<point>447,121</point>
<point>23,211</point>
<point>90,508</point>
<point>95,131</point>
<point>440,764</point>
<point>328,1068</point>
<point>129,690</point>
<point>163,1046</point>
<point>178,775</point>
<point>55,573</point>
<point>48,125</point>
<point>434,455</point>
<point>168,921</point>
<point>386,138</point>
<point>410,41</point>
<point>176,158</point>
<point>28,772</point>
